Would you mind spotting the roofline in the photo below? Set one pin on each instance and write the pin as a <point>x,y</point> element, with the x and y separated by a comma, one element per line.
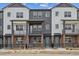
<point>14,7</point>
<point>40,9</point>
<point>62,7</point>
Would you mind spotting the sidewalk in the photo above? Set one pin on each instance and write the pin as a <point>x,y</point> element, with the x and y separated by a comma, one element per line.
<point>58,51</point>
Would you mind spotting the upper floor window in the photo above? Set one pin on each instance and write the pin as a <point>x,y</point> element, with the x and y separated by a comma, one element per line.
<point>47,14</point>
<point>47,26</point>
<point>8,14</point>
<point>56,13</point>
<point>57,26</point>
<point>1,15</point>
<point>39,14</point>
<point>19,27</point>
<point>39,27</point>
<point>34,14</point>
<point>68,26</point>
<point>8,26</point>
<point>19,14</point>
<point>67,14</point>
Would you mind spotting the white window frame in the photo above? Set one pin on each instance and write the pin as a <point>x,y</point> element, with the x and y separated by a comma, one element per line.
<point>47,14</point>
<point>47,26</point>
<point>56,13</point>
<point>68,27</point>
<point>19,27</point>
<point>67,14</point>
<point>8,14</point>
<point>19,15</point>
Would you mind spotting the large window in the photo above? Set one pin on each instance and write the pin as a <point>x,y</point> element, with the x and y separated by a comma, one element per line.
<point>39,14</point>
<point>39,27</point>
<point>19,27</point>
<point>57,26</point>
<point>8,26</point>
<point>8,14</point>
<point>68,26</point>
<point>19,15</point>
<point>35,28</point>
<point>67,14</point>
<point>34,14</point>
<point>56,13</point>
<point>67,39</point>
<point>47,27</point>
<point>47,14</point>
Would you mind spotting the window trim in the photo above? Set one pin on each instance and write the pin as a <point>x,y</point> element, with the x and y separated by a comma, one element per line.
<point>67,14</point>
<point>19,14</point>
<point>56,13</point>
<point>8,14</point>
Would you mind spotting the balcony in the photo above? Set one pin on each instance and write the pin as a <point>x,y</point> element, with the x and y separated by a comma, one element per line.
<point>20,32</point>
<point>72,32</point>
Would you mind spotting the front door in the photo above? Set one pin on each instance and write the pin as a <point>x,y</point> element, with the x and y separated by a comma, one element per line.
<point>57,41</point>
<point>19,42</point>
<point>8,43</point>
<point>1,42</point>
<point>47,42</point>
<point>35,42</point>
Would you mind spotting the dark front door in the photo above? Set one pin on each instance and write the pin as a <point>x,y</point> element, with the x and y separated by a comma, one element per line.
<point>35,42</point>
<point>8,42</point>
<point>47,42</point>
<point>57,41</point>
<point>19,42</point>
<point>1,42</point>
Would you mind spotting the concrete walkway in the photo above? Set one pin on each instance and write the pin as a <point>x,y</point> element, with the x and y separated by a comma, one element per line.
<point>41,52</point>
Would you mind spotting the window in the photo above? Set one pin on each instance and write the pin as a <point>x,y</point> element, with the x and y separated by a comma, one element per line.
<point>39,27</point>
<point>47,26</point>
<point>57,26</point>
<point>68,26</point>
<point>73,27</point>
<point>47,14</point>
<point>68,39</point>
<point>1,15</point>
<point>19,27</point>
<point>39,14</point>
<point>8,26</point>
<point>67,14</point>
<point>19,15</point>
<point>30,28</point>
<point>8,14</point>
<point>34,14</point>
<point>56,13</point>
<point>34,27</point>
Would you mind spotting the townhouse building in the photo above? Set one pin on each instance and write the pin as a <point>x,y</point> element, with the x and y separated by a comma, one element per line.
<point>62,11</point>
<point>21,27</point>
<point>25,27</point>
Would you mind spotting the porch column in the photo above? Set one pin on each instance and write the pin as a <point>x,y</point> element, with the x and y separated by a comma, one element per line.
<point>77,41</point>
<point>4,42</point>
<point>42,40</point>
<point>27,41</point>
<point>62,40</point>
<point>24,41</point>
<point>14,41</point>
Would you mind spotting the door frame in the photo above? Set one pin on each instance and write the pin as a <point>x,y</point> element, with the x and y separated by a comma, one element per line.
<point>58,44</point>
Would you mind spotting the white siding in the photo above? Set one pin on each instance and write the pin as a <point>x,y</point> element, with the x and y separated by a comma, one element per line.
<point>13,11</point>
<point>57,19</point>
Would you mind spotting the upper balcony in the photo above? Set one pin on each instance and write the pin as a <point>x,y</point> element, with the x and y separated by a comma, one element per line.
<point>71,27</point>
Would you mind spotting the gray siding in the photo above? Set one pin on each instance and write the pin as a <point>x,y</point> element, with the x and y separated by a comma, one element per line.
<point>1,23</point>
<point>47,20</point>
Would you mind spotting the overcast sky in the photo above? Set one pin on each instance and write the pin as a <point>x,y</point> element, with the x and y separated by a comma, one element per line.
<point>37,5</point>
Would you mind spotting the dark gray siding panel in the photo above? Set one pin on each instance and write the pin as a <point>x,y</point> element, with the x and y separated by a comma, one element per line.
<point>47,20</point>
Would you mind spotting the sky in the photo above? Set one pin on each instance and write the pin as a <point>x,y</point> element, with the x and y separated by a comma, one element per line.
<point>38,5</point>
